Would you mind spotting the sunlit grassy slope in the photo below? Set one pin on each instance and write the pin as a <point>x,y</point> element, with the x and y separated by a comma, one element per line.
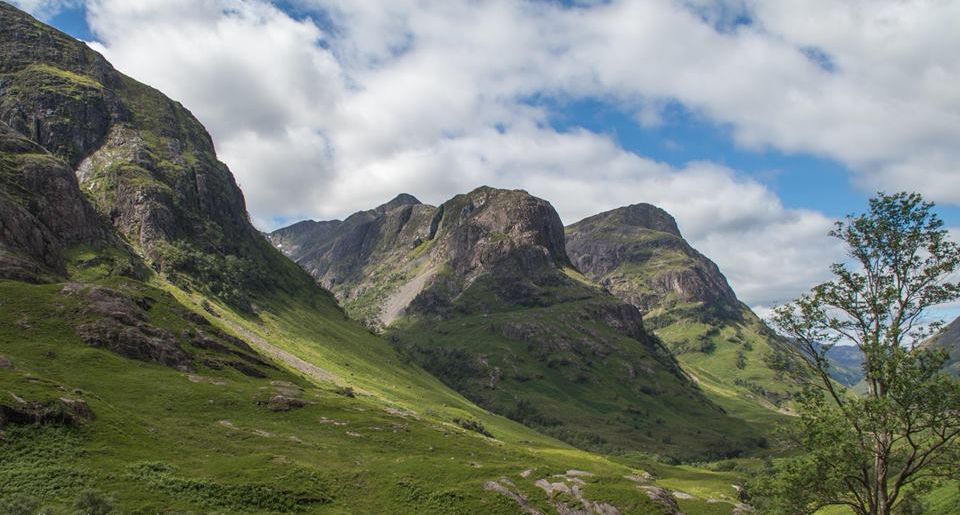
<point>163,440</point>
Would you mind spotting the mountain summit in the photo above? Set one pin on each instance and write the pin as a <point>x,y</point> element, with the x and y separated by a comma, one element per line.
<point>638,254</point>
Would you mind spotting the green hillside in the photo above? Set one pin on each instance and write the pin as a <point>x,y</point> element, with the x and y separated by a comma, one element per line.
<point>638,254</point>
<point>480,292</point>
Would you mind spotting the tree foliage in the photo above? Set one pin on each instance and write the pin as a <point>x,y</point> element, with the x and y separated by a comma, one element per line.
<point>875,453</point>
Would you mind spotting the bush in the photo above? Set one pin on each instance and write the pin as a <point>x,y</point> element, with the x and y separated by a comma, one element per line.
<point>473,425</point>
<point>92,502</point>
<point>19,505</point>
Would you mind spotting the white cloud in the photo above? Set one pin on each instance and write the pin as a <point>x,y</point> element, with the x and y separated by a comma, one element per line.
<point>44,9</point>
<point>429,97</point>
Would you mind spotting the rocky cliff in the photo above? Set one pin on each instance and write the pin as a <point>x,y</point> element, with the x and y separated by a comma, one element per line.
<point>638,254</point>
<point>146,166</point>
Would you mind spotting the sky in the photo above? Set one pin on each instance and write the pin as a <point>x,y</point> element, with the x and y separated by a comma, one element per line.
<point>756,123</point>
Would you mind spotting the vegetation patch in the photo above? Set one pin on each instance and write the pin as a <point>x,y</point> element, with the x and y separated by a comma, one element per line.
<point>211,494</point>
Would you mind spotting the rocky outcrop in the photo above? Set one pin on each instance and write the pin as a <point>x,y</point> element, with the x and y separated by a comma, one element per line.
<point>148,163</point>
<point>426,256</point>
<point>119,322</point>
<point>638,254</point>
<point>42,210</point>
<point>63,411</point>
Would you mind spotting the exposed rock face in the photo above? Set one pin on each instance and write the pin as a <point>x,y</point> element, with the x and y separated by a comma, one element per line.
<point>120,323</point>
<point>42,210</point>
<point>148,162</point>
<point>397,251</point>
<point>638,254</point>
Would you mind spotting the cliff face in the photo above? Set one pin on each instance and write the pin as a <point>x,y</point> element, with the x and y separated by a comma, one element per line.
<point>42,211</point>
<point>481,293</point>
<point>638,254</point>
<point>103,160</point>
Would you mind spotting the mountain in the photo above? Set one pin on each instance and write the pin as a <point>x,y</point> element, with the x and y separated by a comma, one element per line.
<point>158,355</point>
<point>948,339</point>
<point>480,292</point>
<point>638,254</point>
<point>846,364</point>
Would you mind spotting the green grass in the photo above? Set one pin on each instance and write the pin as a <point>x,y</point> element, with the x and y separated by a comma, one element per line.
<point>574,378</point>
<point>162,441</point>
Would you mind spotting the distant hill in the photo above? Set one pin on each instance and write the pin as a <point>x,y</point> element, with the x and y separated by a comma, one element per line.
<point>846,364</point>
<point>948,339</point>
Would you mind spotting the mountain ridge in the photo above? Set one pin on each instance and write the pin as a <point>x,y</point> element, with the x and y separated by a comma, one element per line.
<point>481,293</point>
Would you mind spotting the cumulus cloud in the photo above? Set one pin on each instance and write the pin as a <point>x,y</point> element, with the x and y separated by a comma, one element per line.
<point>45,9</point>
<point>323,118</point>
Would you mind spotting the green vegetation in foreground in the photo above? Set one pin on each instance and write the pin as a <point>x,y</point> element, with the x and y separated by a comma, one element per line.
<point>883,451</point>
<point>165,440</point>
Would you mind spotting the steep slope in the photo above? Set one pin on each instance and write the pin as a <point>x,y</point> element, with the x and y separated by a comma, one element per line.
<point>638,254</point>
<point>481,293</point>
<point>154,347</point>
<point>948,339</point>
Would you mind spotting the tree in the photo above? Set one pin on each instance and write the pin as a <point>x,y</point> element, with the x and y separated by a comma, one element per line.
<point>875,453</point>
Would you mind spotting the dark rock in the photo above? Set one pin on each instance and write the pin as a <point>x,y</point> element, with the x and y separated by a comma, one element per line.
<point>63,411</point>
<point>662,497</point>
<point>117,323</point>
<point>42,210</point>
<point>6,363</point>
<point>284,403</point>
<point>247,369</point>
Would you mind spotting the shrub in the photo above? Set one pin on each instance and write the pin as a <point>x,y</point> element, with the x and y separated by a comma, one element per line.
<point>473,425</point>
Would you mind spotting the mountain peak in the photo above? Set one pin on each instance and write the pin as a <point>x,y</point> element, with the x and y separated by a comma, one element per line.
<point>642,215</point>
<point>637,252</point>
<point>403,199</point>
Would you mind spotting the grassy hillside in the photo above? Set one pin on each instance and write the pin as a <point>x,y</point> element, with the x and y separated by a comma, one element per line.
<point>357,431</point>
<point>479,291</point>
<point>638,254</point>
<point>739,364</point>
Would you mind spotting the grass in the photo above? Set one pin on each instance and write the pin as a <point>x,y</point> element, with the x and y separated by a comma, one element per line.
<point>572,377</point>
<point>162,441</point>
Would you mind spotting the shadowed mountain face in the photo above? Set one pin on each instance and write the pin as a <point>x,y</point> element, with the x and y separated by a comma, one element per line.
<point>481,293</point>
<point>152,183</point>
<point>638,254</point>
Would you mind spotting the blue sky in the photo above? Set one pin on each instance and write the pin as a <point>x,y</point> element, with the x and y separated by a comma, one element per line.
<point>755,123</point>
